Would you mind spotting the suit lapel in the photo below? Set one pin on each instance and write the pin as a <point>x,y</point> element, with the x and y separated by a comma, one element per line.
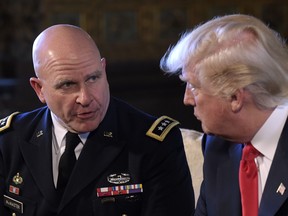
<point>37,153</point>
<point>227,182</point>
<point>271,199</point>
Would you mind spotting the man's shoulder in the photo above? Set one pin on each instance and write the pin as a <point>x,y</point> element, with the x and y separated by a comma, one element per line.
<point>161,127</point>
<point>20,120</point>
<point>154,127</point>
<point>5,122</point>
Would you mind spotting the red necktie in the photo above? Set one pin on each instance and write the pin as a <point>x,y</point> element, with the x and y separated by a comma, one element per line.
<point>248,180</point>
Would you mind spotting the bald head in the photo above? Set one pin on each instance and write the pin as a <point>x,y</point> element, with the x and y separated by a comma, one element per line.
<point>61,41</point>
<point>71,77</point>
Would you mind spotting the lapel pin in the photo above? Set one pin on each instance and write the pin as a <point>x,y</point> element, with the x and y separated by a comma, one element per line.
<point>17,179</point>
<point>39,133</point>
<point>108,134</point>
<point>281,189</point>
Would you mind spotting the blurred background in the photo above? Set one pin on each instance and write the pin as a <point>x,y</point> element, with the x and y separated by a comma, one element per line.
<point>132,35</point>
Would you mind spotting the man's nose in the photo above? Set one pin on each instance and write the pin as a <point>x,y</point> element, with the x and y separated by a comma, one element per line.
<point>84,98</point>
<point>189,99</point>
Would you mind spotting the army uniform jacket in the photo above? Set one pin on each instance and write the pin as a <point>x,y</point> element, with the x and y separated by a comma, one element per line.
<point>121,171</point>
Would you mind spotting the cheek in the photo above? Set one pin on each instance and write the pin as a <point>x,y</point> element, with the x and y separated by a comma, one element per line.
<point>201,102</point>
<point>101,91</point>
<point>217,114</point>
<point>60,104</point>
<point>211,108</point>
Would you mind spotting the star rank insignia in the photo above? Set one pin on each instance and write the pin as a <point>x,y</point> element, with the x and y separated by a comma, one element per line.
<point>5,122</point>
<point>161,127</point>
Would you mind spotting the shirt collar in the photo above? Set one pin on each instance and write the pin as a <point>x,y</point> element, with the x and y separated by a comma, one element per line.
<point>61,131</point>
<point>266,139</point>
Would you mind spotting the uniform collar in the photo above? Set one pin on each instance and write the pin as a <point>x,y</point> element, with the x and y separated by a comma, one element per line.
<point>59,132</point>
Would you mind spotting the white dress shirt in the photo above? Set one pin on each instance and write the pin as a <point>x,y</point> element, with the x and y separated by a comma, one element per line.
<point>266,141</point>
<point>58,144</point>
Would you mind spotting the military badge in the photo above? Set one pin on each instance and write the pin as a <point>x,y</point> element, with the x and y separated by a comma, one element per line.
<point>14,190</point>
<point>161,127</point>
<point>121,178</point>
<point>39,133</point>
<point>13,204</point>
<point>108,134</point>
<point>6,122</point>
<point>17,179</point>
<point>119,190</point>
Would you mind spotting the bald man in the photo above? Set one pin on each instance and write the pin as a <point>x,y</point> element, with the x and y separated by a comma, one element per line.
<point>127,162</point>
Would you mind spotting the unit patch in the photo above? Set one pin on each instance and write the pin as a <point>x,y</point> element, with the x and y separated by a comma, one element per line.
<point>5,122</point>
<point>161,127</point>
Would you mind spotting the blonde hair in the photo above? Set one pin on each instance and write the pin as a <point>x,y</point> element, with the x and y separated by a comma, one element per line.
<point>232,52</point>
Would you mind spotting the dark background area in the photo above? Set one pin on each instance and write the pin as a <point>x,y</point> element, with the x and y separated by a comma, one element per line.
<point>132,35</point>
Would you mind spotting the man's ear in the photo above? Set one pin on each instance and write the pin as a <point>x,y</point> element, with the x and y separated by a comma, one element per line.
<point>103,63</point>
<point>37,86</point>
<point>237,100</point>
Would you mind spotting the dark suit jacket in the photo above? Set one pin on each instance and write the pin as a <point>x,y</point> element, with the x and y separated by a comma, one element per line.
<point>220,194</point>
<point>161,167</point>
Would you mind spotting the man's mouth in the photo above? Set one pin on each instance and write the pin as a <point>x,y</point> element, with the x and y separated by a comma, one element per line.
<point>86,115</point>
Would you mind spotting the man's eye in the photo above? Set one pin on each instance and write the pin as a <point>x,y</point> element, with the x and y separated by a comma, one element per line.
<point>93,78</point>
<point>66,85</point>
<point>190,86</point>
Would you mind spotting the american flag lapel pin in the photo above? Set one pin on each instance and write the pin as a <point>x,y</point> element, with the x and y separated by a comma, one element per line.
<point>281,189</point>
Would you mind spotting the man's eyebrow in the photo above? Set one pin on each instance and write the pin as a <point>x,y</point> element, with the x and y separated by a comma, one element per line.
<point>62,82</point>
<point>94,73</point>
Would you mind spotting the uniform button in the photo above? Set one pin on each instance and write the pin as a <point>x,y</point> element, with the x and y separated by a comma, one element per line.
<point>124,215</point>
<point>13,214</point>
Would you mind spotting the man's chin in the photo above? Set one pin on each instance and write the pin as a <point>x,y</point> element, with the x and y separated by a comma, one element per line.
<point>206,130</point>
<point>82,127</point>
<point>209,133</point>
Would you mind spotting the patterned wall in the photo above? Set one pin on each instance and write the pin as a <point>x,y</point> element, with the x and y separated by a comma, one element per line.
<point>144,28</point>
<point>131,34</point>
